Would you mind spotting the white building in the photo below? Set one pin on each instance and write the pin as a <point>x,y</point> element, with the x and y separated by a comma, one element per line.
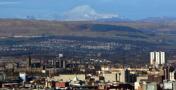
<point>157,58</point>
<point>66,78</point>
<point>124,77</point>
<point>121,76</point>
<point>163,61</point>
<point>152,58</point>
<point>169,85</point>
<point>23,76</point>
<point>172,76</point>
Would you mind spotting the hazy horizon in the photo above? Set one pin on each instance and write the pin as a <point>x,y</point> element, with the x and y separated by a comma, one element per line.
<point>86,9</point>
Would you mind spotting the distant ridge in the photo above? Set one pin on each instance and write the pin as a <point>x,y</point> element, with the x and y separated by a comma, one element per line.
<point>114,19</point>
<point>159,19</point>
<point>24,27</point>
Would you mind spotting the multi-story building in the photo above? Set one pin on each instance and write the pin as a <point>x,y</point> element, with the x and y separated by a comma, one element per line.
<point>157,58</point>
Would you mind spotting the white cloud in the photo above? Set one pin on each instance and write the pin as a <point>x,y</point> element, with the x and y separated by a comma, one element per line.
<point>8,2</point>
<point>85,12</point>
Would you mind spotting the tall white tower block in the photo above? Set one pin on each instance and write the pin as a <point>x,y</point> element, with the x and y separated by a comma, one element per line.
<point>157,58</point>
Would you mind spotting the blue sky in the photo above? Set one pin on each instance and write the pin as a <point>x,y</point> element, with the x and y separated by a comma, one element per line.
<point>87,9</point>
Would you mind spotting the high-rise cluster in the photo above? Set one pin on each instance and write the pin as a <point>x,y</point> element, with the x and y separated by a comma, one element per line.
<point>157,58</point>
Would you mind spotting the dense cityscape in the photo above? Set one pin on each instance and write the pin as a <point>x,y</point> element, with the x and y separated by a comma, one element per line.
<point>28,73</point>
<point>87,45</point>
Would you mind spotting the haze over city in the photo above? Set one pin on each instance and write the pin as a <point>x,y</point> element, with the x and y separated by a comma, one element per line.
<point>87,45</point>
